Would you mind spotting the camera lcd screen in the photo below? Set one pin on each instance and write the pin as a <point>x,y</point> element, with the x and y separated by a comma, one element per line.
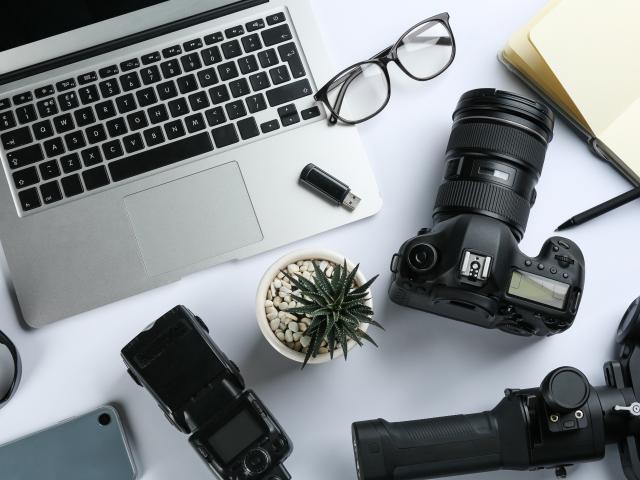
<point>538,289</point>
<point>235,436</point>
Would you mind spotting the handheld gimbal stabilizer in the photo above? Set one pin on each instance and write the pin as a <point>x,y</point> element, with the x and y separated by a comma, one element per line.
<point>563,422</point>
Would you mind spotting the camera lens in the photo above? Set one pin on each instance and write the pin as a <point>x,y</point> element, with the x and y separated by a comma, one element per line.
<point>495,157</point>
<point>423,257</point>
<point>629,328</point>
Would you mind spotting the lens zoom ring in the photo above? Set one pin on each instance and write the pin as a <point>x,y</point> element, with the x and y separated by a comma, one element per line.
<point>499,138</point>
<point>468,195</point>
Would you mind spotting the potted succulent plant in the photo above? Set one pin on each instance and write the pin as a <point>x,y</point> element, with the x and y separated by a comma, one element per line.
<point>315,305</point>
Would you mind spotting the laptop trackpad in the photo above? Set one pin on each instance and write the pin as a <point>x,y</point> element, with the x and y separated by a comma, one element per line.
<point>193,219</point>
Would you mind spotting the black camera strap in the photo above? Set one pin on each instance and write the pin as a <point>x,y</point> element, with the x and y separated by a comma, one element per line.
<point>17,368</point>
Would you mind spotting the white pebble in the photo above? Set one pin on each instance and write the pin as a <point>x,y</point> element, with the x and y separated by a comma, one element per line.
<point>303,327</point>
<point>286,284</point>
<point>277,284</point>
<point>268,303</point>
<point>275,323</point>
<point>305,341</point>
<point>329,272</point>
<point>323,350</point>
<point>297,336</point>
<point>293,268</point>
<point>291,317</point>
<point>277,301</point>
<point>306,321</point>
<point>299,262</point>
<point>282,315</point>
<point>280,275</point>
<point>271,310</point>
<point>272,290</point>
<point>306,275</point>
<point>288,335</point>
<point>304,268</point>
<point>293,326</point>
<point>280,336</point>
<point>323,265</point>
<point>271,316</point>
<point>282,326</point>
<point>284,306</point>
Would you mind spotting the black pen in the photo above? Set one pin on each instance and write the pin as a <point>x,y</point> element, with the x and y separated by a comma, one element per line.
<point>601,209</point>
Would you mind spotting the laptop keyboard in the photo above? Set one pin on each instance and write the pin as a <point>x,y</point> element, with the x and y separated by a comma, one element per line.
<point>74,136</point>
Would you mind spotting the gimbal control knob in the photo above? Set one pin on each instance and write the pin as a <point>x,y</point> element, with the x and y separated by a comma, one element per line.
<point>565,390</point>
<point>633,409</point>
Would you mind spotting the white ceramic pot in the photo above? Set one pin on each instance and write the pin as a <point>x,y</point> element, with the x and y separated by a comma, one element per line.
<point>272,272</point>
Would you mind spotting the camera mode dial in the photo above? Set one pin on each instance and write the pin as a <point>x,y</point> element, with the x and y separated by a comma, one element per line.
<point>257,461</point>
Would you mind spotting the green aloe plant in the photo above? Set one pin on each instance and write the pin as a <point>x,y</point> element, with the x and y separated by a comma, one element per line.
<point>336,306</point>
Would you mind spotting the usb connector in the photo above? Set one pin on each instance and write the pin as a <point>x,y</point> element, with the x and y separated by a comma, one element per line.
<point>330,187</point>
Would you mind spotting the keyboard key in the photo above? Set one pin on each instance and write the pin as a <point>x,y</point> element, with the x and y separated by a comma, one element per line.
<point>29,199</point>
<point>158,114</point>
<point>150,75</point>
<point>159,157</point>
<point>130,81</point>
<point>239,88</point>
<point>133,143</point>
<point>268,58</point>
<point>211,55</point>
<point>106,110</point>
<point>174,130</point>
<point>108,71</point>
<point>235,110</point>
<point>276,18</point>
<point>310,113</point>
<point>289,92</point>
<point>117,127</point>
<point>178,107</point>
<point>251,43</point>
<point>22,98</point>
<point>228,71</point>
<point>68,101</point>
<point>192,45</point>
<point>25,156</point>
<point>49,170</point>
<point>256,103</point>
<point>153,136</point>
<point>7,120</point>
<point>16,138</point>
<point>213,38</point>
<point>96,134</point>
<point>95,178</point>
<point>234,31</point>
<point>255,25</point>
<point>26,114</point>
<point>191,62</point>
<point>112,149</point>
<point>129,65</point>
<point>288,115</point>
<point>215,116</point>
<point>187,84</point>
<point>75,140</point>
<point>279,75</point>
<point>225,135</point>
<point>54,147</point>
<point>4,103</point>
<point>248,128</point>
<point>248,64</point>
<point>41,92</point>
<point>167,90</point>
<point>170,69</point>
<point>231,49</point>
<point>198,101</point>
<point>289,53</point>
<point>137,121</point>
<point>72,185</point>
<point>172,51</point>
<point>50,192</point>
<point>259,81</point>
<point>42,130</point>
<point>146,97</point>
<point>89,94</point>
<point>26,178</point>
<point>70,163</point>
<point>126,103</point>
<point>84,116</point>
<point>151,58</point>
<point>109,88</point>
<point>270,126</point>
<point>195,123</point>
<point>207,77</point>
<point>219,94</point>
<point>91,156</point>
<point>46,108</point>
<point>65,85</point>
<point>279,34</point>
<point>87,78</point>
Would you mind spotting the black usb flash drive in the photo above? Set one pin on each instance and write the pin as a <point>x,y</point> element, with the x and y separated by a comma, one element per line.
<point>330,187</point>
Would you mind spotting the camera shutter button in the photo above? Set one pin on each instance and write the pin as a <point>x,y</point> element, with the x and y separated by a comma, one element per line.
<point>256,461</point>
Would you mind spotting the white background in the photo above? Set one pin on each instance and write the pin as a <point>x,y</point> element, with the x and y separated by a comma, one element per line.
<point>425,366</point>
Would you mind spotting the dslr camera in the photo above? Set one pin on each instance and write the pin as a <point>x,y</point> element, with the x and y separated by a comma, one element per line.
<point>468,266</point>
<point>564,421</point>
<point>202,393</point>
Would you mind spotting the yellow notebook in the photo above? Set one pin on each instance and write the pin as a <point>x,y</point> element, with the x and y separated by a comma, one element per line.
<point>583,56</point>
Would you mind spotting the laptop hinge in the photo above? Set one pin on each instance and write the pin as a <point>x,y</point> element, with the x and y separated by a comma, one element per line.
<point>129,40</point>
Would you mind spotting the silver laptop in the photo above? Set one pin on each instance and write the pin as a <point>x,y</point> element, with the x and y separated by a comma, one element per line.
<point>145,140</point>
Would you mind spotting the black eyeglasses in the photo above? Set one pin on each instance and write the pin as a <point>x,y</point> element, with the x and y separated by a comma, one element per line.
<point>361,91</point>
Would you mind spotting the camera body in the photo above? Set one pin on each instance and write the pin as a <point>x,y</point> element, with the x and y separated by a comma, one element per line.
<point>469,268</point>
<point>202,393</point>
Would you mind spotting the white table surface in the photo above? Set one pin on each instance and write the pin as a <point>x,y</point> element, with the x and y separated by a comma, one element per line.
<point>426,366</point>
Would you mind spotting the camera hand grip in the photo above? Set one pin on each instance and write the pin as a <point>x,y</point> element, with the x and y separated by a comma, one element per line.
<point>427,448</point>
